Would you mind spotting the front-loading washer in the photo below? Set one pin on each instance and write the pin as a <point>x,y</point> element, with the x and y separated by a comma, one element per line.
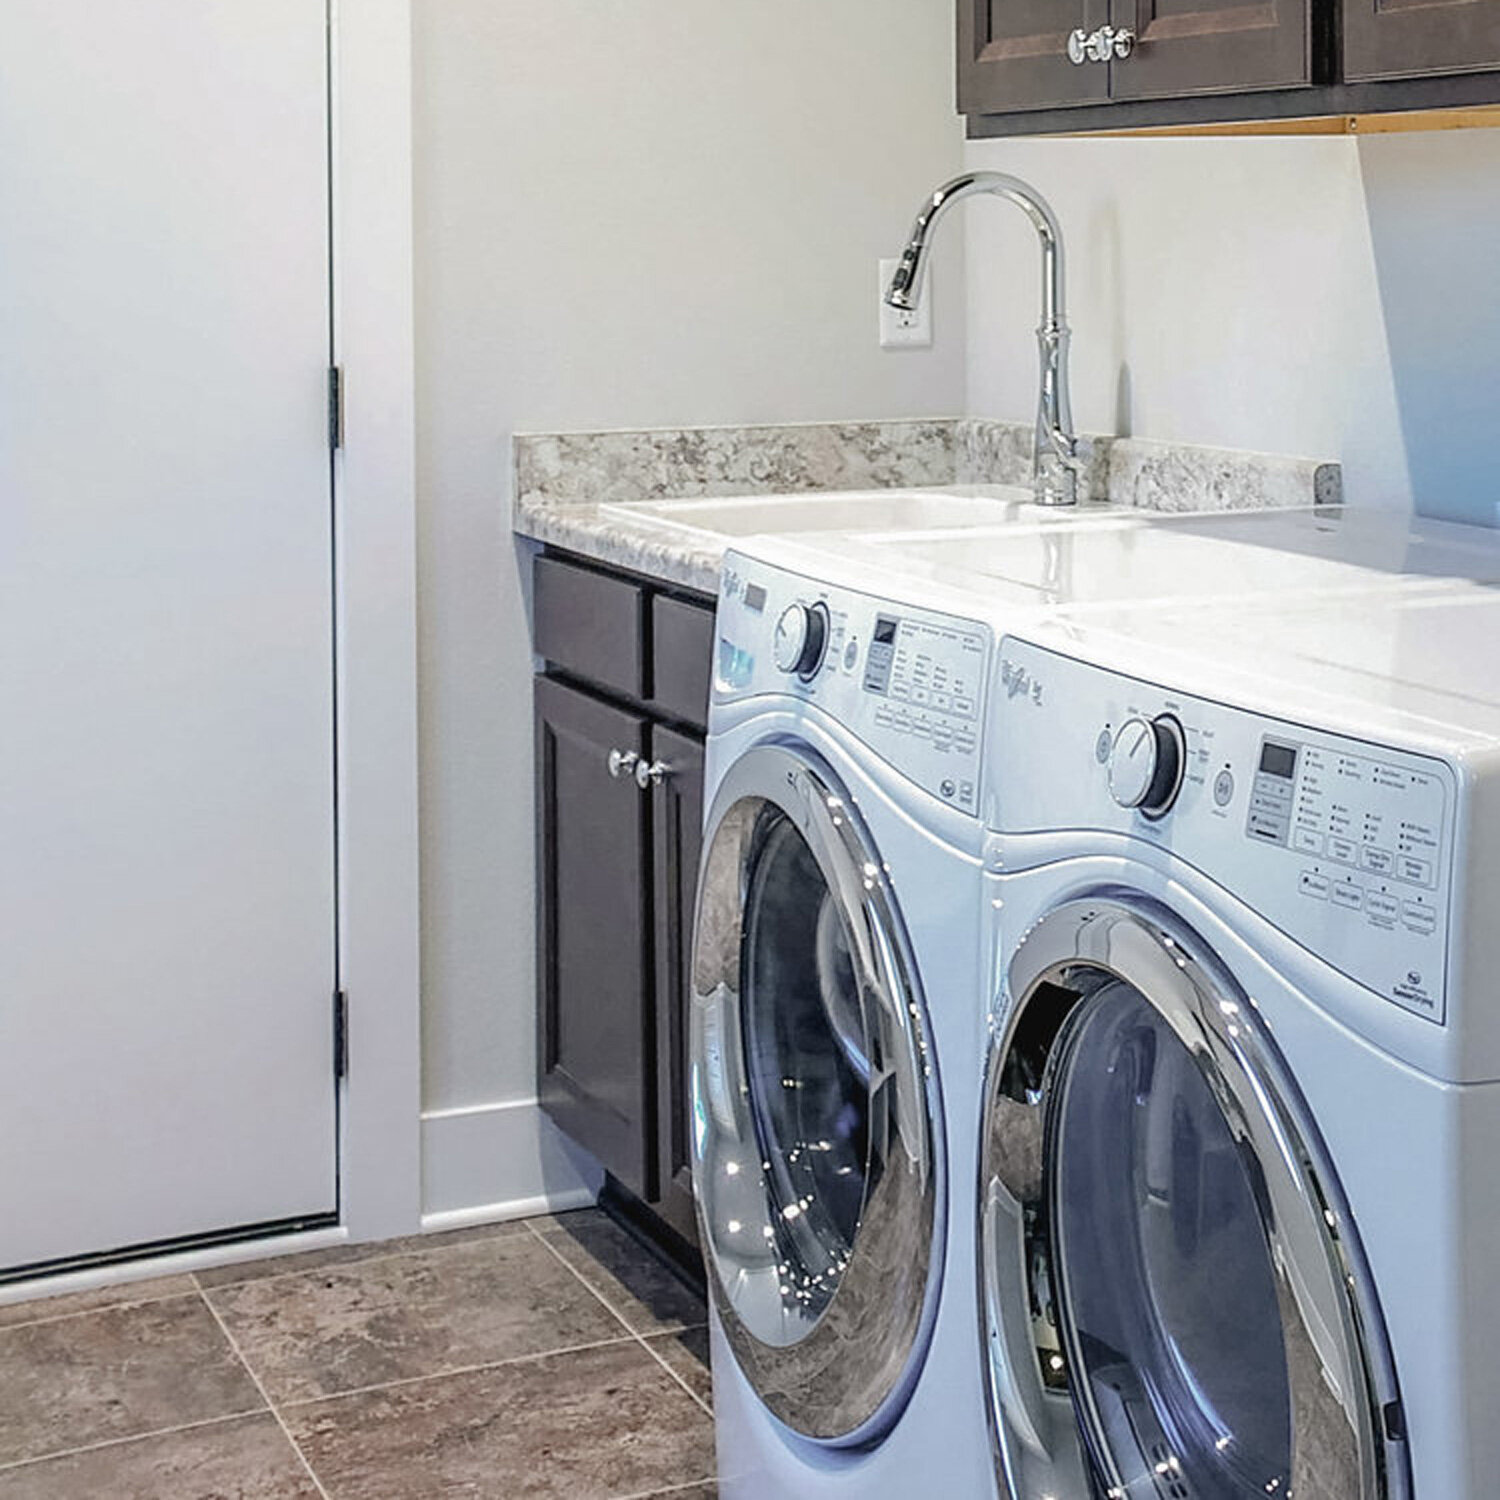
<point>834,967</point>
<point>1239,1206</point>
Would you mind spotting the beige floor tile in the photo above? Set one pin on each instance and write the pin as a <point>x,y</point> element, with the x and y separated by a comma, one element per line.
<point>645,1293</point>
<point>70,1303</point>
<point>248,1459</point>
<point>686,1351</point>
<point>590,1425</point>
<point>409,1316</point>
<point>116,1373</point>
<point>348,1255</point>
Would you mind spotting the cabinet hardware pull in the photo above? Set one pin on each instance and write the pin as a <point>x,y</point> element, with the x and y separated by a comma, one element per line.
<point>1101,45</point>
<point>652,775</point>
<point>621,762</point>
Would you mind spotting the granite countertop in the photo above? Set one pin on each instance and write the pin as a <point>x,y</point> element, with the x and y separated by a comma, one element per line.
<point>564,481</point>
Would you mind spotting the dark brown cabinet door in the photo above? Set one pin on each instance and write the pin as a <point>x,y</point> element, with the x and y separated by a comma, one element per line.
<point>1416,38</point>
<point>677,825</point>
<point>1013,55</point>
<point>1187,47</point>
<point>594,1027</point>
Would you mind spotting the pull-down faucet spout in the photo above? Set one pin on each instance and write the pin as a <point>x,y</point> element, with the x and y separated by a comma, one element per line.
<point>1056,459</point>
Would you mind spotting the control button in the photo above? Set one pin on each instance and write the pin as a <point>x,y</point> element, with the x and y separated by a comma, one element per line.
<point>1346,851</point>
<point>966,791</point>
<point>942,733</point>
<point>1378,860</point>
<point>801,639</point>
<point>1381,908</point>
<point>1346,893</point>
<point>851,654</point>
<point>900,690</point>
<point>1267,802</point>
<point>948,788</point>
<point>1307,841</point>
<point>1314,885</point>
<point>1418,871</point>
<point>1102,746</point>
<point>964,706</point>
<point>1272,830</point>
<point>963,741</point>
<point>1419,918</point>
<point>1147,759</point>
<point>885,718</point>
<point>1223,788</point>
<point>942,702</point>
<point>920,695</point>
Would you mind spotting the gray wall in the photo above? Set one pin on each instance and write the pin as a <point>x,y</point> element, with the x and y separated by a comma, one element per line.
<point>641,213</point>
<point>1330,296</point>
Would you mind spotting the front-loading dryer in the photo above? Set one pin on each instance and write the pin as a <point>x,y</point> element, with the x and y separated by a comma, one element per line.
<point>1239,1201</point>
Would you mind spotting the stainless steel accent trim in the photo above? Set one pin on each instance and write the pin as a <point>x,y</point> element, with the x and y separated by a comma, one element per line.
<point>1342,1375</point>
<point>652,774</point>
<point>842,1376</point>
<point>1058,455</point>
<point>621,762</point>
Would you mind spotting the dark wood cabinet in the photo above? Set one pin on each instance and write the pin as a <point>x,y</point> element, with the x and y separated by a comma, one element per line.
<point>620,712</point>
<point>592,935</point>
<point>677,835</point>
<point>1215,62</point>
<point>1388,39</point>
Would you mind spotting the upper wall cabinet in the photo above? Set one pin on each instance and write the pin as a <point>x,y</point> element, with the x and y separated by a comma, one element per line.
<point>1385,39</point>
<point>1040,66</point>
<point>1058,54</point>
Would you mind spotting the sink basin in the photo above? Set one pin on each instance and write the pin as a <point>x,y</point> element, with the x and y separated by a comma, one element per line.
<point>861,512</point>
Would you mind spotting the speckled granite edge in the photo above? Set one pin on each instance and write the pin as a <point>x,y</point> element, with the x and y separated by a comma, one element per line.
<point>579,467</point>
<point>561,479</point>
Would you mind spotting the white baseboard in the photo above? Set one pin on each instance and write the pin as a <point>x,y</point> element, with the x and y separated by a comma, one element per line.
<point>489,1162</point>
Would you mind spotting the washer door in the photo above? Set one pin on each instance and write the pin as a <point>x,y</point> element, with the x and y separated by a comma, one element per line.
<point>1176,1303</point>
<point>817,1133</point>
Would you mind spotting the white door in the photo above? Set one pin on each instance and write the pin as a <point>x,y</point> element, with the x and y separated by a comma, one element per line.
<point>166,692</point>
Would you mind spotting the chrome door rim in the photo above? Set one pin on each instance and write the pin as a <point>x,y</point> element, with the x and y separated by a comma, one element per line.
<point>1079,947</point>
<point>843,1377</point>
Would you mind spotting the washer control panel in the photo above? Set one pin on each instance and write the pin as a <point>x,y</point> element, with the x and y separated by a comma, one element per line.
<point>1343,844</point>
<point>909,682</point>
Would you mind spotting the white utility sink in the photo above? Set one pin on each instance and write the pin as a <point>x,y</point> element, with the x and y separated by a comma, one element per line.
<point>862,512</point>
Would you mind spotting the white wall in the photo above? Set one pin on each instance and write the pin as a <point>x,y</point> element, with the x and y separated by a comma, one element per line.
<point>1325,296</point>
<point>628,212</point>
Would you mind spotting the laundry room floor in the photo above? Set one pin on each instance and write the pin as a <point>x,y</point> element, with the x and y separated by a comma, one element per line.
<point>552,1357</point>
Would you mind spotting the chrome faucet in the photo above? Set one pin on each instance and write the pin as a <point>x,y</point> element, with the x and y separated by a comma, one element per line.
<point>1057,454</point>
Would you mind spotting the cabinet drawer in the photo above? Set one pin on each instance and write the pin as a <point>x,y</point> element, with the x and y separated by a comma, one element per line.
<point>588,623</point>
<point>682,637</point>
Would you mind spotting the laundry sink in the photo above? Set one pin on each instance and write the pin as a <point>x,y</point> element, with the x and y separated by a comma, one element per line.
<point>849,511</point>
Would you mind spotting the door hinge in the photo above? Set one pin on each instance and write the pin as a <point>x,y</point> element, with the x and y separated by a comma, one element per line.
<point>340,1034</point>
<point>335,407</point>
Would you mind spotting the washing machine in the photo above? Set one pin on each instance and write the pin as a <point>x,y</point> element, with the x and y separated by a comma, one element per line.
<point>835,962</point>
<point>843,949</point>
<point>1239,1194</point>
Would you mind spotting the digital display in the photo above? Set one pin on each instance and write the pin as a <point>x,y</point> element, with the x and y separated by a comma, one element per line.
<point>1278,760</point>
<point>755,597</point>
<point>885,631</point>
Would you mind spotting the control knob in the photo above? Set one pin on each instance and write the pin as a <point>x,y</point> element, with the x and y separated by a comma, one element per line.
<point>801,639</point>
<point>1146,763</point>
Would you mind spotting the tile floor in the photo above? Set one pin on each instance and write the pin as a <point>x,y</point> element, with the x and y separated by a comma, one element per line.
<point>554,1357</point>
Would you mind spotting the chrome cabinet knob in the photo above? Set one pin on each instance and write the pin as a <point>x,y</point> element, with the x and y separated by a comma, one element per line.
<point>651,775</point>
<point>622,762</point>
<point>1078,46</point>
<point>1120,42</point>
<point>1101,45</point>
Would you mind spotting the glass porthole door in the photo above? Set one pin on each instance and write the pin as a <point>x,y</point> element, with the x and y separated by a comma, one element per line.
<point>1176,1304</point>
<point>818,1166</point>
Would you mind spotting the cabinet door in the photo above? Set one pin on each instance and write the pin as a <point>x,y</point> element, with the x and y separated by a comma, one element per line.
<point>593,1022</point>
<point>1186,47</point>
<point>1013,55</point>
<point>1410,38</point>
<point>677,816</point>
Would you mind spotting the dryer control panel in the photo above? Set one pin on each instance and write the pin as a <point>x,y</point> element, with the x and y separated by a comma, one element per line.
<point>909,682</point>
<point>1343,844</point>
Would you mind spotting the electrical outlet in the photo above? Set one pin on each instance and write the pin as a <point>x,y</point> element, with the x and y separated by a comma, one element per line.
<point>900,329</point>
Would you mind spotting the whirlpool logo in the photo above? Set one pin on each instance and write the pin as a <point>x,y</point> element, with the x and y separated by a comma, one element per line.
<point>1018,682</point>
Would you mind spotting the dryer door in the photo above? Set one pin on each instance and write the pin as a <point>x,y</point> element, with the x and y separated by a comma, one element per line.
<point>1177,1304</point>
<point>818,1163</point>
